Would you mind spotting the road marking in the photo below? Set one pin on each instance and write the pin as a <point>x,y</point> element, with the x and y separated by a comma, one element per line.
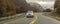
<point>32,22</point>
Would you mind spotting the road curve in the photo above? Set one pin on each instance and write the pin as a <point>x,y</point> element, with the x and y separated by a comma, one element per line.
<point>39,19</point>
<point>20,21</point>
<point>42,19</point>
<point>34,20</point>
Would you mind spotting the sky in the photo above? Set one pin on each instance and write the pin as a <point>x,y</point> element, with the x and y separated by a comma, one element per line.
<point>46,0</point>
<point>44,3</point>
<point>42,0</point>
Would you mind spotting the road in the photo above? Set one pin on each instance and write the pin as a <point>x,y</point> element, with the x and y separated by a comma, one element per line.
<point>39,19</point>
<point>42,19</point>
<point>23,20</point>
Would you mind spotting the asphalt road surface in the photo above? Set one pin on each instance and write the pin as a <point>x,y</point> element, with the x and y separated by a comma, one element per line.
<point>42,19</point>
<point>39,19</point>
<point>20,21</point>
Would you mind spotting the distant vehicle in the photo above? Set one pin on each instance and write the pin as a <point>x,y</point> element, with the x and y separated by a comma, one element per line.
<point>29,14</point>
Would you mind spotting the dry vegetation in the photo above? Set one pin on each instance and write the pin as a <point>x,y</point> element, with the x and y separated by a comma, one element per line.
<point>9,7</point>
<point>56,13</point>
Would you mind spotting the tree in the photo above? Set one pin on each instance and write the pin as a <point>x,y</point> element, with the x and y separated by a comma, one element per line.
<point>57,6</point>
<point>7,5</point>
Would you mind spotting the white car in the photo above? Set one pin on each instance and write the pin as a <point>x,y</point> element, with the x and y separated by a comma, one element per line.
<point>30,14</point>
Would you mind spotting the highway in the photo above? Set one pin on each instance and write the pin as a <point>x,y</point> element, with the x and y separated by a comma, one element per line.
<point>39,18</point>
<point>20,21</point>
<point>42,19</point>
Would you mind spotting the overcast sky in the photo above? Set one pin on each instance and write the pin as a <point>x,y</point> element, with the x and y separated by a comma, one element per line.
<point>41,0</point>
<point>45,0</point>
<point>44,3</point>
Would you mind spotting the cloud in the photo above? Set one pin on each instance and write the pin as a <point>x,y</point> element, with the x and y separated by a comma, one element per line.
<point>41,2</point>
